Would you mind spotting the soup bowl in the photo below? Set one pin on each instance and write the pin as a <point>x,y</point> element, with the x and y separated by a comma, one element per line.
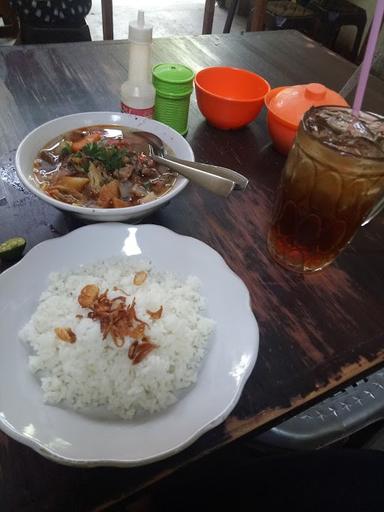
<point>38,138</point>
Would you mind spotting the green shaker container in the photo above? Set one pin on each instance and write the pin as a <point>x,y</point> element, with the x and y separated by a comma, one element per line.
<point>174,85</point>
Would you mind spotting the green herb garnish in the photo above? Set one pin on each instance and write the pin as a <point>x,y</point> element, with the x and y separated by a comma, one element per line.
<point>110,156</point>
<point>66,149</point>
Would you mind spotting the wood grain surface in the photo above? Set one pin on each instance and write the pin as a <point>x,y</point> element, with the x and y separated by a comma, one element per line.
<point>316,332</point>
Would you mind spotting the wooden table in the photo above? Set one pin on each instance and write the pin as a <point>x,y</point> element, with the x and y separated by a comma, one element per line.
<point>316,332</point>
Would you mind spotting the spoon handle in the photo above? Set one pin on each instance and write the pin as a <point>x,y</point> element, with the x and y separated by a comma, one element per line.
<point>216,184</point>
<point>240,181</point>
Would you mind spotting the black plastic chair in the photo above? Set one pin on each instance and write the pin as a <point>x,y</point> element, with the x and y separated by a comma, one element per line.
<point>280,14</point>
<point>283,15</point>
<point>333,15</point>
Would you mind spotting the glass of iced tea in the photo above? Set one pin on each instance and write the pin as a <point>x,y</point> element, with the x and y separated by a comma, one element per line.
<point>332,183</point>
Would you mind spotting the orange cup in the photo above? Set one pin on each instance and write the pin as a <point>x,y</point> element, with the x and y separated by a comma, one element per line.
<point>286,107</point>
<point>229,98</point>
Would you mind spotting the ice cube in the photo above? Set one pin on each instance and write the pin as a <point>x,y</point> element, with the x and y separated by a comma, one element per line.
<point>338,128</point>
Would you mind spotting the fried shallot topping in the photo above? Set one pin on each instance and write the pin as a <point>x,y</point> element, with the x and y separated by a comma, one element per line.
<point>88,295</point>
<point>155,315</point>
<point>139,278</point>
<point>141,351</point>
<point>118,319</point>
<point>65,334</point>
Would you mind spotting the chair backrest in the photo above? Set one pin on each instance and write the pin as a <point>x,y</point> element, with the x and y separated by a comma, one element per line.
<point>11,24</point>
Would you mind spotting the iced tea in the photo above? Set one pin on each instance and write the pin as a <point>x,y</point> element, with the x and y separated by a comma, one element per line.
<point>334,176</point>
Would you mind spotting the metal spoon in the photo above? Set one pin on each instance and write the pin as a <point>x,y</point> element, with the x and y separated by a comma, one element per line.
<point>218,180</point>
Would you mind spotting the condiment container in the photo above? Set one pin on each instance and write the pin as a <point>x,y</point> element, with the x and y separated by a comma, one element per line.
<point>174,86</point>
<point>138,93</point>
<point>287,105</point>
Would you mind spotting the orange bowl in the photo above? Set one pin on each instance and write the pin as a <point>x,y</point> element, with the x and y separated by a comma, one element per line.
<point>229,98</point>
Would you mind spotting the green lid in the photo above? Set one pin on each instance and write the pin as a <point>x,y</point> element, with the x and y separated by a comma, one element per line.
<point>172,80</point>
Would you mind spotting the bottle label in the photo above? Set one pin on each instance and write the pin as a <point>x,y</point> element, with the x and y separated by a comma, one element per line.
<point>143,112</point>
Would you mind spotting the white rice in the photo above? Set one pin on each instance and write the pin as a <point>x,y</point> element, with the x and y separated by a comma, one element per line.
<point>92,372</point>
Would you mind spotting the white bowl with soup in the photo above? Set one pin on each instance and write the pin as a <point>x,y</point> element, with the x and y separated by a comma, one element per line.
<point>95,165</point>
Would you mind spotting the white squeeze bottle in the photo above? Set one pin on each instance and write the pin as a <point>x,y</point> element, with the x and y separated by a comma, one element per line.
<point>138,93</point>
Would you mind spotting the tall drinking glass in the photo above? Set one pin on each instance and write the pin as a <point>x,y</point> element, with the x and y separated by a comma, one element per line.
<point>332,183</point>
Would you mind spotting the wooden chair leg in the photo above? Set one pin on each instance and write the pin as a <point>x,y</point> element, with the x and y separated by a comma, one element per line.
<point>230,16</point>
<point>209,11</point>
<point>257,16</point>
<point>107,15</point>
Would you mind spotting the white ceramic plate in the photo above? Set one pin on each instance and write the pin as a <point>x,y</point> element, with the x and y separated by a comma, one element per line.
<point>40,136</point>
<point>73,438</point>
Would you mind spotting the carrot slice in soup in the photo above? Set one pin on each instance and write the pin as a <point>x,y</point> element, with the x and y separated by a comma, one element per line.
<point>88,139</point>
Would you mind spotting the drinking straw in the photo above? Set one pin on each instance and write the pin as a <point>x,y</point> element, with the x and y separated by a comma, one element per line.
<point>367,62</point>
